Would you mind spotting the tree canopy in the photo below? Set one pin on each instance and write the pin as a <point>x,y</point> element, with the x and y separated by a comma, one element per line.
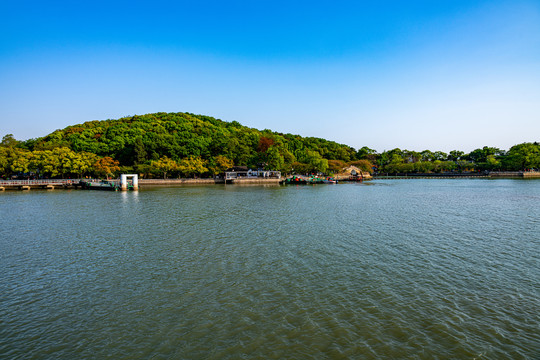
<point>185,144</point>
<point>180,144</point>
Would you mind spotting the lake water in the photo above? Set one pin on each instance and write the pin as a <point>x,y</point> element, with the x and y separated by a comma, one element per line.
<point>414,269</point>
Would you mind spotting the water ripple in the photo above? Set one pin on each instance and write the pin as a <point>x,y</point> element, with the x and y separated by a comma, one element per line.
<point>398,269</point>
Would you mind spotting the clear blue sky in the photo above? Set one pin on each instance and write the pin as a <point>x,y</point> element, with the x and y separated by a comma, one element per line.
<point>438,75</point>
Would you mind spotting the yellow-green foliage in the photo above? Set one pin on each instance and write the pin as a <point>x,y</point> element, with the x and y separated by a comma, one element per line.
<point>137,140</point>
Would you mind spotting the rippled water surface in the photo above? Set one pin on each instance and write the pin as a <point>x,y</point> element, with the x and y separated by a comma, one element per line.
<point>416,269</point>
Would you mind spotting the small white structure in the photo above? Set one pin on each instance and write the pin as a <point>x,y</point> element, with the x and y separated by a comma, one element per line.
<point>252,174</point>
<point>124,181</point>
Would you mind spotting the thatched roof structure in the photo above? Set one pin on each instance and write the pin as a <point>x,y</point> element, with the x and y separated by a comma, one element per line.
<point>352,171</point>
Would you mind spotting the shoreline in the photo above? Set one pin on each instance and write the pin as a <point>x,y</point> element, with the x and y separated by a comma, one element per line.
<point>492,175</point>
<point>166,182</point>
<point>26,185</point>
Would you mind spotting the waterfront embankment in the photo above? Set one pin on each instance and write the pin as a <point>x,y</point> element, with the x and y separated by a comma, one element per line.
<point>516,174</point>
<point>493,175</point>
<point>52,184</point>
<point>174,182</point>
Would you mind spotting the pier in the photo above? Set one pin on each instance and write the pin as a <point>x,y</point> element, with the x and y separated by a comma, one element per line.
<point>48,184</point>
<point>125,185</point>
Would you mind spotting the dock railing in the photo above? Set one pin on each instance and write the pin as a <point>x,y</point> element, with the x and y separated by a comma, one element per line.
<point>39,182</point>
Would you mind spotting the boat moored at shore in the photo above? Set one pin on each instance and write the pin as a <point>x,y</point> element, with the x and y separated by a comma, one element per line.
<point>99,185</point>
<point>297,179</point>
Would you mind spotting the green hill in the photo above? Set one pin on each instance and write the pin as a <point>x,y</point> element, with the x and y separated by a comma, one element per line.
<point>184,144</point>
<point>136,141</point>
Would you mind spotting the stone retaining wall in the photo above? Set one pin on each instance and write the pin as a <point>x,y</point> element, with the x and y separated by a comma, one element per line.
<point>169,182</point>
<point>177,181</point>
<point>531,174</point>
<point>516,174</point>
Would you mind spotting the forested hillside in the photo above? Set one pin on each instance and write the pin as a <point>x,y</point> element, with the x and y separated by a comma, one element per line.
<point>184,144</point>
<point>174,144</point>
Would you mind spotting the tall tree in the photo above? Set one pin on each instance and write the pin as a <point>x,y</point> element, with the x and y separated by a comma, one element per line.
<point>140,151</point>
<point>219,164</point>
<point>192,166</point>
<point>455,155</point>
<point>336,166</point>
<point>275,160</point>
<point>106,166</point>
<point>165,165</point>
<point>21,161</point>
<point>523,156</point>
<point>9,141</point>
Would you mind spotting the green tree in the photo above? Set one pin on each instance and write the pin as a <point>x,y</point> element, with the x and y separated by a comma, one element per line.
<point>21,161</point>
<point>523,156</point>
<point>140,151</point>
<point>440,155</point>
<point>366,153</point>
<point>165,165</point>
<point>448,165</point>
<point>423,167</point>
<point>412,156</point>
<point>219,164</point>
<point>46,163</point>
<point>9,141</point>
<point>192,166</point>
<point>65,157</point>
<point>144,170</point>
<point>455,155</point>
<point>4,161</point>
<point>463,165</point>
<point>137,139</point>
<point>275,160</point>
<point>480,155</point>
<point>493,163</point>
<point>82,163</point>
<point>301,168</point>
<point>363,165</point>
<point>336,166</point>
<point>427,155</point>
<point>316,162</point>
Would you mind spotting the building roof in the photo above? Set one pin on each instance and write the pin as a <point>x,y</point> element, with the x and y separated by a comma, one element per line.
<point>238,168</point>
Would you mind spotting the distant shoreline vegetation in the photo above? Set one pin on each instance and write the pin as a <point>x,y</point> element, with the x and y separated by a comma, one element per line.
<point>188,145</point>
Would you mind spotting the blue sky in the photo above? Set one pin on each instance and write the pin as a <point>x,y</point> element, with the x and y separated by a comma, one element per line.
<point>438,75</point>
